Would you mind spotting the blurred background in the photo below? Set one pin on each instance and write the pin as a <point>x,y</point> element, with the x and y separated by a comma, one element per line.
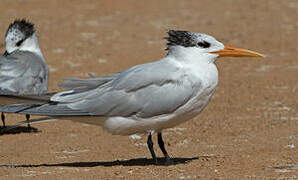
<point>248,129</point>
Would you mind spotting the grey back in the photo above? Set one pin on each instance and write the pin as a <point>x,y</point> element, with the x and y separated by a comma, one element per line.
<point>23,72</point>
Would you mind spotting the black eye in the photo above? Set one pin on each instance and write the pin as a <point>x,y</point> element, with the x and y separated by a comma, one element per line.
<point>20,42</point>
<point>204,44</point>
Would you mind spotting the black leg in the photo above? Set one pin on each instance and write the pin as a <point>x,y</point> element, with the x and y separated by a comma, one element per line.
<point>28,121</point>
<point>162,147</point>
<point>3,119</point>
<point>150,146</point>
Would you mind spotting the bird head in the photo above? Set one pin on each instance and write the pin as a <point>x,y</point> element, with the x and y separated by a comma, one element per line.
<point>20,35</point>
<point>203,45</point>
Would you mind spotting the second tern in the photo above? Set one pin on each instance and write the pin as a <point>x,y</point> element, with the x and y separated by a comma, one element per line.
<point>23,69</point>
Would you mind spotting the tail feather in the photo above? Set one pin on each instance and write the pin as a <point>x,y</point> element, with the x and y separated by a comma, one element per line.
<point>39,120</point>
<point>4,91</point>
<point>8,99</point>
<point>53,110</point>
<point>91,75</point>
<point>16,108</point>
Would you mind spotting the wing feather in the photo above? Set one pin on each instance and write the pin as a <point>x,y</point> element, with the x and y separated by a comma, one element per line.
<point>23,72</point>
<point>143,91</point>
<point>146,90</point>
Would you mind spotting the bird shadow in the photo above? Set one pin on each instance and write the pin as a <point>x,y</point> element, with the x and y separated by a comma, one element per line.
<point>17,130</point>
<point>130,162</point>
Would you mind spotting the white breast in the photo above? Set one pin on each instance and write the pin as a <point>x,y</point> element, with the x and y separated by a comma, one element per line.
<point>207,75</point>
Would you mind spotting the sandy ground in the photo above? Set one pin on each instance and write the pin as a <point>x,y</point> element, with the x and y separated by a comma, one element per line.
<point>249,130</point>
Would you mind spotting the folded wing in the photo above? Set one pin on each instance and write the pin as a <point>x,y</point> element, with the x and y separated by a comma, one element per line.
<point>143,91</point>
<point>23,72</point>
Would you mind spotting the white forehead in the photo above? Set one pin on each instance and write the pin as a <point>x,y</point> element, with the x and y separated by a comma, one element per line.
<point>206,37</point>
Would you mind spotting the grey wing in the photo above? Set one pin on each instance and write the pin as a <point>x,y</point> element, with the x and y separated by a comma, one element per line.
<point>145,102</point>
<point>46,109</point>
<point>8,98</point>
<point>5,92</point>
<point>23,72</point>
<point>91,83</point>
<point>146,90</point>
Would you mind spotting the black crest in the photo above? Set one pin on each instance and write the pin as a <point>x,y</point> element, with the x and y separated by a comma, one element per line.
<point>24,26</point>
<point>180,38</point>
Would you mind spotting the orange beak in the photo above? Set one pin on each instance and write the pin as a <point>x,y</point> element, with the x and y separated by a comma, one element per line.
<point>230,51</point>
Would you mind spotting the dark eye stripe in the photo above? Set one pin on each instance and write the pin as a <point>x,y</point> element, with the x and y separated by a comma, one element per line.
<point>20,42</point>
<point>204,44</point>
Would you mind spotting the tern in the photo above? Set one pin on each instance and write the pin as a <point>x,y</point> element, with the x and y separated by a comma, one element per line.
<point>146,98</point>
<point>23,69</point>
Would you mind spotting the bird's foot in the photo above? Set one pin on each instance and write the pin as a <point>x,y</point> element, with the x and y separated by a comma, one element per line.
<point>29,128</point>
<point>163,161</point>
<point>155,161</point>
<point>168,161</point>
<point>2,129</point>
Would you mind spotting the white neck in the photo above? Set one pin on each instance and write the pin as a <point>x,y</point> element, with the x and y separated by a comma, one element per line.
<point>31,44</point>
<point>191,55</point>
